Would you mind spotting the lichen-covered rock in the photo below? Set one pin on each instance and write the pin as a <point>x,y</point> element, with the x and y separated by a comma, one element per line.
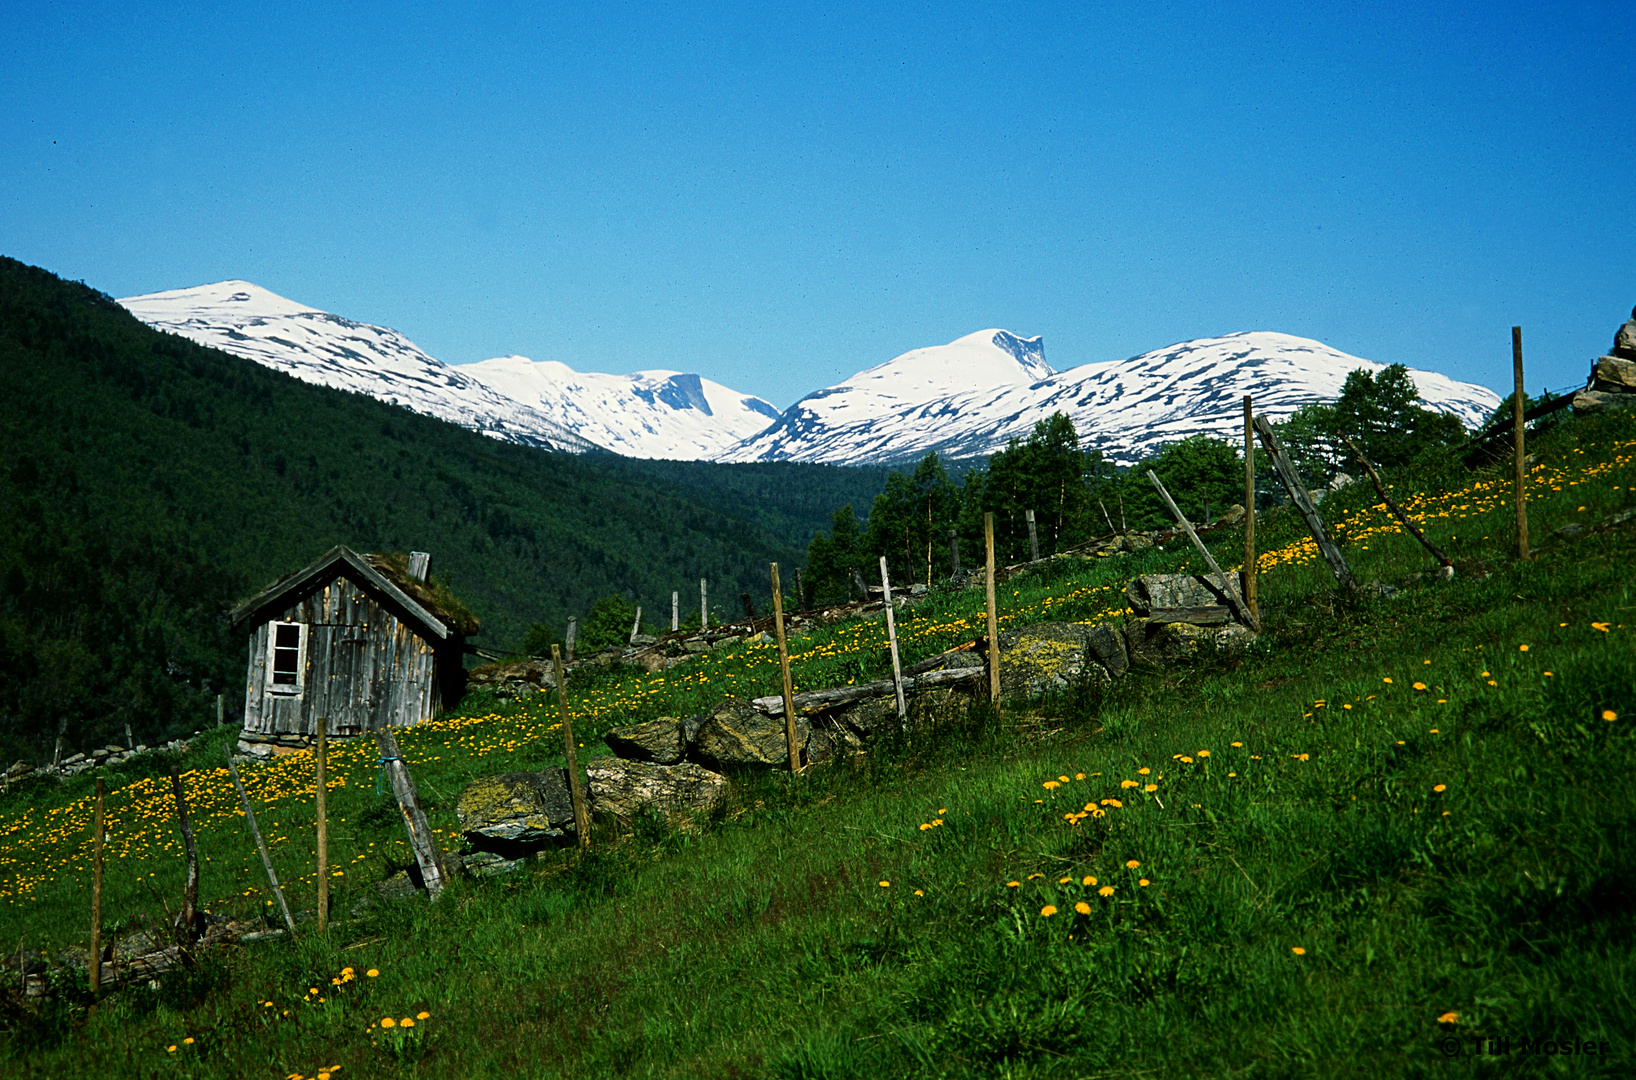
<point>1150,591</point>
<point>1042,658</point>
<point>1590,402</point>
<point>678,792</point>
<point>1107,646</point>
<point>1612,373</point>
<point>1158,644</point>
<point>659,741</point>
<point>517,808</point>
<point>736,734</point>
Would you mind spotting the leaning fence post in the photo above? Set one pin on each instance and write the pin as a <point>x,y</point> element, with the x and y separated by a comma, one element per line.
<point>320,752</point>
<point>1402,519</point>
<point>261,845</point>
<point>784,672</point>
<point>190,892</point>
<point>582,819</point>
<point>1233,600</point>
<point>1519,492</point>
<point>993,619</point>
<point>1298,496</point>
<point>1033,537</point>
<point>1251,600</point>
<point>892,639</point>
<point>95,968</point>
<point>636,626</point>
<point>421,842</point>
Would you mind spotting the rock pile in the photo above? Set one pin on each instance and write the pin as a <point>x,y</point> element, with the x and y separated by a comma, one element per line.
<point>1612,384</point>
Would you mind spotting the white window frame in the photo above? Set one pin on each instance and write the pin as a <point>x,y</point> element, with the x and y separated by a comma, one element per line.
<point>284,689</point>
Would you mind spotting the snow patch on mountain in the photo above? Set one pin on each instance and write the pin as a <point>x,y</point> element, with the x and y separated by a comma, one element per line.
<point>1127,408</point>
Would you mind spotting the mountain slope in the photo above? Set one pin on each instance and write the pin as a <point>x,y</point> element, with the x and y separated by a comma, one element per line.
<point>653,414</point>
<point>649,414</point>
<point>149,482</point>
<point>1127,408</point>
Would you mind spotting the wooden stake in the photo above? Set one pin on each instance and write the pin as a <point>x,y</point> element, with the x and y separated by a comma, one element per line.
<point>784,671</point>
<point>95,967</point>
<point>636,626</point>
<point>190,892</point>
<point>221,710</point>
<point>261,845</point>
<point>573,632</point>
<point>1519,493</point>
<point>1105,517</point>
<point>993,617</point>
<point>675,611</point>
<point>582,818</point>
<point>427,856</point>
<point>1298,496</point>
<point>704,604</point>
<point>320,752</point>
<point>892,639</point>
<point>1238,605</point>
<point>1397,511</point>
<point>1033,538</point>
<point>954,552</point>
<point>1249,573</point>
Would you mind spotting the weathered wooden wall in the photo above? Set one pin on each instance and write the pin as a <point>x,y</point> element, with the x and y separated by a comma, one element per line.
<point>365,669</point>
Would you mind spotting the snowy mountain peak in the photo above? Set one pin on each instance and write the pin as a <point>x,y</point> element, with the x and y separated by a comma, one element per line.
<point>986,358</point>
<point>243,299</point>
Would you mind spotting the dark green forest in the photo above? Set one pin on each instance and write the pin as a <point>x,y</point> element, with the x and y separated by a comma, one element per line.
<point>147,483</point>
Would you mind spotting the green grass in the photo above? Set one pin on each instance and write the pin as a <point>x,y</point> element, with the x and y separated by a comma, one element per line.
<point>766,945</point>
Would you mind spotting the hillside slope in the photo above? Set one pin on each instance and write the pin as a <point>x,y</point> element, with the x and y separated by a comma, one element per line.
<point>149,482</point>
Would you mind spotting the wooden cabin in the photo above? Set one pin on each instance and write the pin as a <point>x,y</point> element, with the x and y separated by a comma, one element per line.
<point>362,641</point>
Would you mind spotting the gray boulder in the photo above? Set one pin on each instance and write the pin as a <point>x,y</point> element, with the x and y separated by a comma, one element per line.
<point>1152,592</point>
<point>1624,342</point>
<point>678,792</point>
<point>1045,657</point>
<point>1107,645</point>
<point>1159,644</point>
<point>736,734</point>
<point>1590,402</point>
<point>659,741</point>
<point>517,808</point>
<point>1614,374</point>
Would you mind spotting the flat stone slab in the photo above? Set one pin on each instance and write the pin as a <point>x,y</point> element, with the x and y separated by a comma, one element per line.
<point>737,734</point>
<point>660,741</point>
<point>517,808</point>
<point>678,792</point>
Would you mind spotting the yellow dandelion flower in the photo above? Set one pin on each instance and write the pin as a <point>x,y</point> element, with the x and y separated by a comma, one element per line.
<point>1088,879</point>
<point>1204,753</point>
<point>1143,771</point>
<point>1144,883</point>
<point>1048,910</point>
<point>1387,680</point>
<point>1297,950</point>
<point>919,892</point>
<point>372,973</point>
<point>406,1022</point>
<point>388,1022</point>
<point>1609,715</point>
<point>1127,783</point>
<point>1131,864</point>
<point>1420,686</point>
<point>1106,890</point>
<point>1449,1018</point>
<point>1441,787</point>
<point>1012,884</point>
<point>1050,785</point>
<point>171,1049</point>
<point>1239,744</point>
<point>188,1041</point>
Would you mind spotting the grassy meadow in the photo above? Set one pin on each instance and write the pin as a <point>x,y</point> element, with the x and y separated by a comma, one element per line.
<point>1394,830</point>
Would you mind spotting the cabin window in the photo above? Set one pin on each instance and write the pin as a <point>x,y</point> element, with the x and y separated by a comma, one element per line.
<point>287,649</point>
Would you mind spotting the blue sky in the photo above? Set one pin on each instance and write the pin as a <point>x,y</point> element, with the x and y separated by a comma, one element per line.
<point>776,199</point>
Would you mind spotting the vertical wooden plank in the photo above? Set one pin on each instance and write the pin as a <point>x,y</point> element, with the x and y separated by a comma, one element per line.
<point>427,856</point>
<point>675,611</point>
<point>704,604</point>
<point>1251,600</point>
<point>993,616</point>
<point>320,753</point>
<point>94,966</point>
<point>1033,538</point>
<point>784,672</point>
<point>190,892</point>
<point>573,632</point>
<point>261,845</point>
<point>582,818</point>
<point>892,639</point>
<point>1518,490</point>
<point>636,625</point>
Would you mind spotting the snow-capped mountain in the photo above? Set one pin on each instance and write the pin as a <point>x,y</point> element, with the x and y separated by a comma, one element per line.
<point>650,414</point>
<point>923,400</point>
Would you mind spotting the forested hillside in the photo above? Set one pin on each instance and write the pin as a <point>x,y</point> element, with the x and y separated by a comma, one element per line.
<point>148,483</point>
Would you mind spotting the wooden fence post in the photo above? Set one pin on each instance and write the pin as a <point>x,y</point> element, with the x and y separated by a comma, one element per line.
<point>784,671</point>
<point>993,617</point>
<point>892,639</point>
<point>800,592</point>
<point>221,710</point>
<point>1033,538</point>
<point>704,604</point>
<point>636,627</point>
<point>1251,600</point>
<point>675,611</point>
<point>321,761</point>
<point>1397,511</point>
<point>582,818</point>
<point>190,892</point>
<point>1298,495</point>
<point>1519,492</point>
<point>573,632</point>
<point>95,965</point>
<point>427,856</point>
<point>954,552</point>
<point>1239,607</point>
<point>261,845</point>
